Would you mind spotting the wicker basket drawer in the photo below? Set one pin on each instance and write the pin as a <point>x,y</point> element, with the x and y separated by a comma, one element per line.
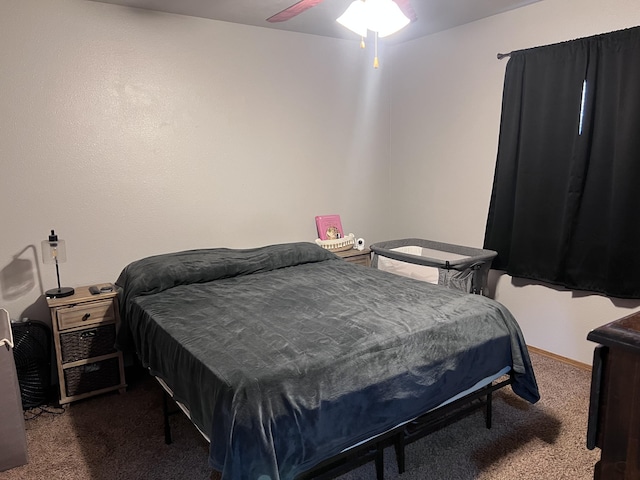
<point>87,343</point>
<point>92,376</point>
<point>86,314</point>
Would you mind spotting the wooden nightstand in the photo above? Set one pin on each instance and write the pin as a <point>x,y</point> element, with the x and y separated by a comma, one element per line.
<point>360,257</point>
<point>84,334</point>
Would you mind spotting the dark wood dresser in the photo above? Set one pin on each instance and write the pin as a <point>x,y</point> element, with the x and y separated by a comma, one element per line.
<point>614,408</point>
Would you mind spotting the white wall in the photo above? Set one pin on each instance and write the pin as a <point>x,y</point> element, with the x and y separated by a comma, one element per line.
<point>446,92</point>
<point>133,132</point>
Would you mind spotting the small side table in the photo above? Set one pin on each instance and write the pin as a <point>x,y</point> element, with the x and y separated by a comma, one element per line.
<point>84,335</point>
<point>359,257</point>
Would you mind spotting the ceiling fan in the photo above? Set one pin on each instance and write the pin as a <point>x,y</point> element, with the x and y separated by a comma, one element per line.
<point>303,5</point>
<point>383,17</point>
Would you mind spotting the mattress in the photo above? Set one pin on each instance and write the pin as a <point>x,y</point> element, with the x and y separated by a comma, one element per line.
<point>478,386</point>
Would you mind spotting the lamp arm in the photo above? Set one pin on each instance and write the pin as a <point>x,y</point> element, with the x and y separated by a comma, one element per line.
<point>57,273</point>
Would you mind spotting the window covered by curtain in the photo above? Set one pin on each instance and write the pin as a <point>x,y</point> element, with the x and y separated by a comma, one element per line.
<point>565,206</point>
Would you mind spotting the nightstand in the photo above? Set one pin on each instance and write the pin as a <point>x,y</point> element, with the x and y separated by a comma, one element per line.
<point>360,257</point>
<point>84,334</point>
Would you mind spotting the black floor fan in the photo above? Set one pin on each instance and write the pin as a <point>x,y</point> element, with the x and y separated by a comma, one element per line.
<point>32,355</point>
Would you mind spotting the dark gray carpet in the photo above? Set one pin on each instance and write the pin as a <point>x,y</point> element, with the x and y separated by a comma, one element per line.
<point>121,437</point>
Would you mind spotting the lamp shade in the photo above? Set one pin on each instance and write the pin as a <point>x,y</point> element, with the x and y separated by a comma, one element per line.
<point>355,18</point>
<point>385,17</point>
<point>54,250</point>
<point>381,16</point>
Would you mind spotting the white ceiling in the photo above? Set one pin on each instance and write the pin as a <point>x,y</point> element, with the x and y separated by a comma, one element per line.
<point>433,15</point>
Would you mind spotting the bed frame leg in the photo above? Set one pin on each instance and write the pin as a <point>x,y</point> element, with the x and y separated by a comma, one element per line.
<point>379,462</point>
<point>215,475</point>
<point>398,444</point>
<point>489,409</point>
<point>165,412</point>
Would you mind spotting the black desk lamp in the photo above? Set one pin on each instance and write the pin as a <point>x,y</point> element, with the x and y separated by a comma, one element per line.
<point>54,251</point>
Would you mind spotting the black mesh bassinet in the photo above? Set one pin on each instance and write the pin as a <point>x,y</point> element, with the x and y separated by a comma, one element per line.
<point>455,266</point>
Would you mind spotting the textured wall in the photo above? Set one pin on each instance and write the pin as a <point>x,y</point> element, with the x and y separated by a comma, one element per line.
<point>446,94</point>
<point>133,132</point>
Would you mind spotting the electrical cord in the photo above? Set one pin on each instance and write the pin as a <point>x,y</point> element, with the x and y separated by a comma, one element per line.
<point>35,412</point>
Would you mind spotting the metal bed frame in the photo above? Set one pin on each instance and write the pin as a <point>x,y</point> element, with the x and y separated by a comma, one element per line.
<point>373,449</point>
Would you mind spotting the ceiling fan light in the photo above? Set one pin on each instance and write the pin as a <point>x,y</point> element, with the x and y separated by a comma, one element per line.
<point>385,17</point>
<point>355,18</point>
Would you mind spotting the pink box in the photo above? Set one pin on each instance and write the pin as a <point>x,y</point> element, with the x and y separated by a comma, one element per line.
<point>329,227</point>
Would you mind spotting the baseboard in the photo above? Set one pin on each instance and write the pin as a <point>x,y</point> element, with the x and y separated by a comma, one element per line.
<point>560,358</point>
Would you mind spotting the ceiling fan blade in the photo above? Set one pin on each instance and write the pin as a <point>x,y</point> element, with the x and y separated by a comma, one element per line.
<point>293,10</point>
<point>407,9</point>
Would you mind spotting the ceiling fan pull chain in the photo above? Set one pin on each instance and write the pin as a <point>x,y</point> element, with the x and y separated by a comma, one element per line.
<point>375,58</point>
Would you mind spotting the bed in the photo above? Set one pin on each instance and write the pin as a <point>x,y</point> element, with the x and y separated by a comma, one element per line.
<point>286,355</point>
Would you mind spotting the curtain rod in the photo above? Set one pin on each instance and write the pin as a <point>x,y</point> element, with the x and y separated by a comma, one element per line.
<point>502,55</point>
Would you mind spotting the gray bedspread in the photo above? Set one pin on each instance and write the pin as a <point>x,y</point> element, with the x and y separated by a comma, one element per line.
<point>285,355</point>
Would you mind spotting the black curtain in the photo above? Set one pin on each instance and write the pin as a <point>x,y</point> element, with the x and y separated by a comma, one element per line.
<point>565,206</point>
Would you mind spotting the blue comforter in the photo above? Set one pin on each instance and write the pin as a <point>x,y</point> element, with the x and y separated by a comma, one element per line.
<point>285,355</point>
